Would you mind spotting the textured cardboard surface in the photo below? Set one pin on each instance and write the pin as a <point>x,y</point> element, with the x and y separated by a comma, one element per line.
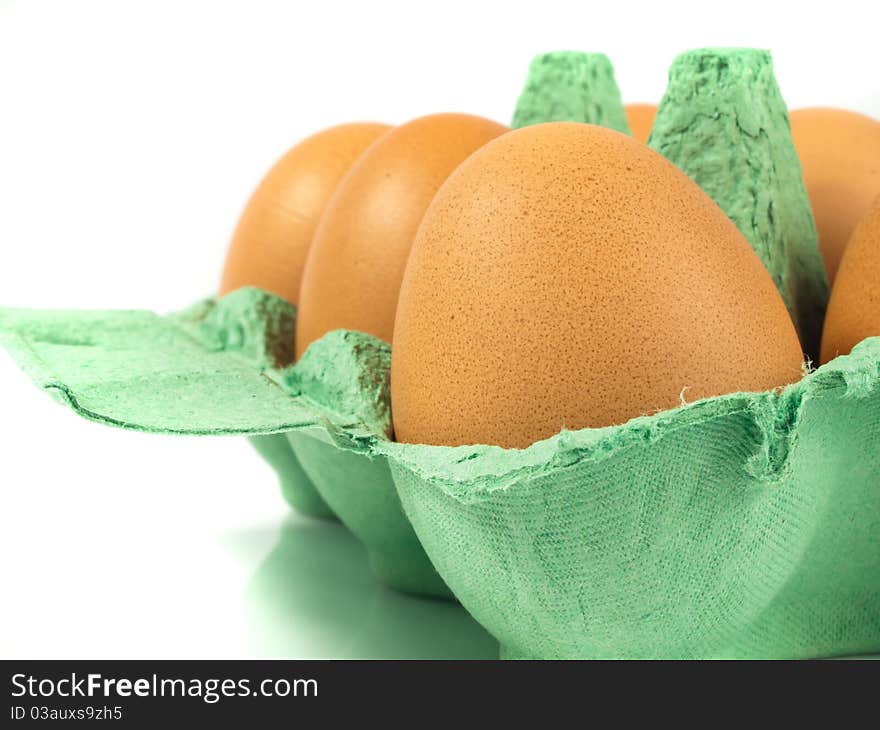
<point>569,86</point>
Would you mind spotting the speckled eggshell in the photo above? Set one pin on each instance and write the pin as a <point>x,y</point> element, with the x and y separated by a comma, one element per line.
<point>840,155</point>
<point>273,235</point>
<point>854,308</point>
<point>568,276</point>
<point>640,118</point>
<point>353,271</point>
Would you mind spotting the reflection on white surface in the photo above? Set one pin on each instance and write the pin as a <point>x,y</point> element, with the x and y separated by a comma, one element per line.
<point>314,596</point>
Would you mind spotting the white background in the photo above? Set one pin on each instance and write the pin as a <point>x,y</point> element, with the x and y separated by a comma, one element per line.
<point>131,134</point>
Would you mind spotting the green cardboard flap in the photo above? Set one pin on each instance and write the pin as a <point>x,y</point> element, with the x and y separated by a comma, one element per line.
<point>183,374</point>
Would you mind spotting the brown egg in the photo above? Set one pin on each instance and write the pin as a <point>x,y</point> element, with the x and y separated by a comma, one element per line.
<point>270,243</point>
<point>568,276</point>
<point>840,154</point>
<point>854,308</point>
<point>640,118</point>
<point>353,271</point>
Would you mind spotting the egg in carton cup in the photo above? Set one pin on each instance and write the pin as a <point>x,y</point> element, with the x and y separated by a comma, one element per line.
<point>736,525</point>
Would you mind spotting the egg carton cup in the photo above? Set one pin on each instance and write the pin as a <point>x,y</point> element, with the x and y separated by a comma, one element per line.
<point>740,526</point>
<point>746,525</point>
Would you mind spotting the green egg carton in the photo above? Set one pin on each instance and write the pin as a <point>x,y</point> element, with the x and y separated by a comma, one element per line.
<point>742,526</point>
<point>746,525</point>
